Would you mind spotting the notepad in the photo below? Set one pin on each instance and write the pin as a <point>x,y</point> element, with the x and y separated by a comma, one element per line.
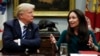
<point>83,55</point>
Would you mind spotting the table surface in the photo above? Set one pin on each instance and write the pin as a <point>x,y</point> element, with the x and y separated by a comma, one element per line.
<point>89,52</point>
<point>44,54</point>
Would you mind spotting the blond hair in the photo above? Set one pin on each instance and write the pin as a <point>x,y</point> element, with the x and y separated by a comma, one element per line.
<point>22,7</point>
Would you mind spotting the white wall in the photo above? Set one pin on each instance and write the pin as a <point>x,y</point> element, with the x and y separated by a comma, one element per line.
<point>80,4</point>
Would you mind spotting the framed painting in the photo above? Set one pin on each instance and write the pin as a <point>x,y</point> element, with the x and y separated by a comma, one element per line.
<point>49,7</point>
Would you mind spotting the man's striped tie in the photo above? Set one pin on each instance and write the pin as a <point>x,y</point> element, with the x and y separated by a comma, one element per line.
<point>24,32</point>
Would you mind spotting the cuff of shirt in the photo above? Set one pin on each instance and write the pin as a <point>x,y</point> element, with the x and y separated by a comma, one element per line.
<point>19,42</point>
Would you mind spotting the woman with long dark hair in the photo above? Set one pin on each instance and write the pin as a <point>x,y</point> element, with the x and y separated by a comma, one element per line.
<point>77,36</point>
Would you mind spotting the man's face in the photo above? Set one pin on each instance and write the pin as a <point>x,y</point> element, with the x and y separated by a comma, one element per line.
<point>27,16</point>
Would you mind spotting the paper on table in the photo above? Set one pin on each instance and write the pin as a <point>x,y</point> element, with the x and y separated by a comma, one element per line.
<point>83,55</point>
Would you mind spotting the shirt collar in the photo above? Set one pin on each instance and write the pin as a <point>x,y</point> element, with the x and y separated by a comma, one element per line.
<point>21,25</point>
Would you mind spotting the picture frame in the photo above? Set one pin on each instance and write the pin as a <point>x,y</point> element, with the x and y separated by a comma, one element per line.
<point>58,9</point>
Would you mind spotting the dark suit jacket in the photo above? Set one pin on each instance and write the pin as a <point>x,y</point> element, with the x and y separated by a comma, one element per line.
<point>12,31</point>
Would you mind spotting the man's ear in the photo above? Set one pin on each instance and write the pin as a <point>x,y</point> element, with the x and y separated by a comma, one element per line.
<point>20,15</point>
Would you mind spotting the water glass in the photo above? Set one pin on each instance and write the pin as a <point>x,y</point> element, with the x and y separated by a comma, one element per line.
<point>64,49</point>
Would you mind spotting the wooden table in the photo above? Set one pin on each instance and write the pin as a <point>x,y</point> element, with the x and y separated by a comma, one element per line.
<point>27,54</point>
<point>46,46</point>
<point>45,54</point>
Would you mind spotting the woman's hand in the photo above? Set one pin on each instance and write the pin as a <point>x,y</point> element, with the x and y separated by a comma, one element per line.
<point>52,38</point>
<point>91,44</point>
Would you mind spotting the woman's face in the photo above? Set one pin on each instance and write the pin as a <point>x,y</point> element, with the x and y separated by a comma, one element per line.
<point>73,20</point>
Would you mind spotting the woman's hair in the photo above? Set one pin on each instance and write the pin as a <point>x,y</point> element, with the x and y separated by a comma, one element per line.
<point>82,27</point>
<point>22,7</point>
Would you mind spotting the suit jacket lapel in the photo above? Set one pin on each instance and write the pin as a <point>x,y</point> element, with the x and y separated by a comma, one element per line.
<point>29,32</point>
<point>18,29</point>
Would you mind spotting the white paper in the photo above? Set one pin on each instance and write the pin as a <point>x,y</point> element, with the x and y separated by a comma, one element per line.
<point>83,55</point>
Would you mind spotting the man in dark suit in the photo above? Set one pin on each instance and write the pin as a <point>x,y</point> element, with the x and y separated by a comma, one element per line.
<point>15,37</point>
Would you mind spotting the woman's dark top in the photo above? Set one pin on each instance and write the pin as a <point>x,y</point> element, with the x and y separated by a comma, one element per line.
<point>73,46</point>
